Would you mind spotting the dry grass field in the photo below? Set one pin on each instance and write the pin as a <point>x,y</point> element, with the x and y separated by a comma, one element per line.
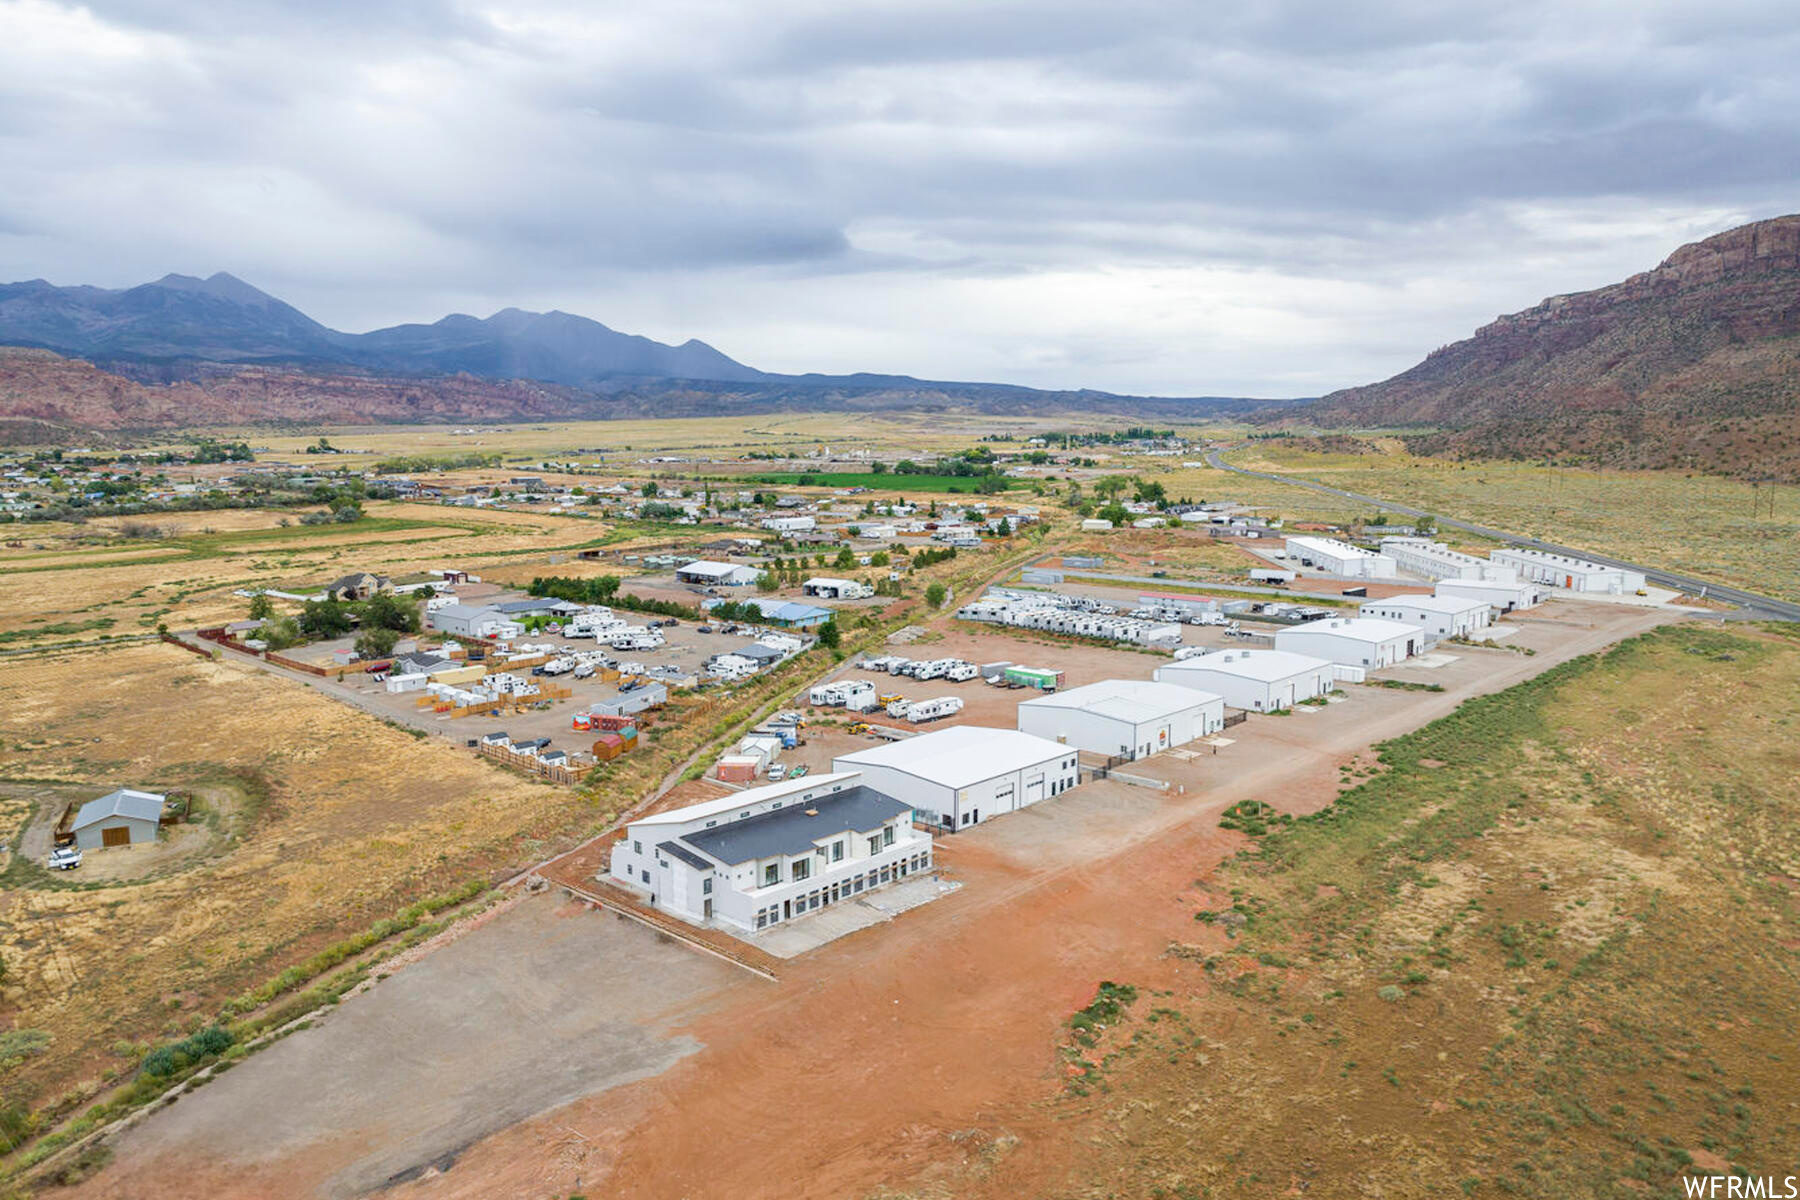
<point>1545,947</point>
<point>344,820</point>
<point>1697,524</point>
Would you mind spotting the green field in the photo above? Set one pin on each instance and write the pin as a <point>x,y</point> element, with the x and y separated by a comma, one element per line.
<point>884,483</point>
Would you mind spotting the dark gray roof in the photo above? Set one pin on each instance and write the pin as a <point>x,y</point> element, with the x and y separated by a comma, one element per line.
<point>757,652</point>
<point>792,831</point>
<point>677,850</point>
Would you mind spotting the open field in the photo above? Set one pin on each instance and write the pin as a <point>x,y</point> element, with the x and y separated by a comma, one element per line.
<point>319,844</point>
<point>1700,525</point>
<point>883,482</point>
<point>62,576</point>
<point>796,433</point>
<point>1545,948</point>
<point>966,998</point>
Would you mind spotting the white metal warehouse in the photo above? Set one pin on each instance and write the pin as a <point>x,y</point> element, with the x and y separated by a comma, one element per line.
<point>716,573</point>
<point>1357,641</point>
<point>1440,616</point>
<point>1434,560</point>
<point>1130,718</point>
<point>1254,680</point>
<point>959,776</point>
<point>1340,558</point>
<point>770,854</point>
<point>1505,597</point>
<point>1562,571</point>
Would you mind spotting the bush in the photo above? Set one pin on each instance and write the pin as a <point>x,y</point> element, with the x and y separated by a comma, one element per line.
<point>172,1059</point>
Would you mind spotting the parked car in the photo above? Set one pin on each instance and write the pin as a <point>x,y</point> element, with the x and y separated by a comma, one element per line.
<point>777,773</point>
<point>64,858</point>
<point>704,629</point>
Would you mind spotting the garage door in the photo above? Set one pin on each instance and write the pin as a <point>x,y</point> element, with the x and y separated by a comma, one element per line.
<point>1034,790</point>
<point>115,837</point>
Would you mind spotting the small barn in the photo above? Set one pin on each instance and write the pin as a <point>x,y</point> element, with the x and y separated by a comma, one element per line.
<point>122,818</point>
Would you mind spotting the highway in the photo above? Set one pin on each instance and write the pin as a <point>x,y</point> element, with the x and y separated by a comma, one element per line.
<point>1753,605</point>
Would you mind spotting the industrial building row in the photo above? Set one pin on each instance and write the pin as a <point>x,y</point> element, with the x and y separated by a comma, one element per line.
<point>1426,559</point>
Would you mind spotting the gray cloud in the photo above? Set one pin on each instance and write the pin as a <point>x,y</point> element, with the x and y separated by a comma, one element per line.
<point>1276,198</point>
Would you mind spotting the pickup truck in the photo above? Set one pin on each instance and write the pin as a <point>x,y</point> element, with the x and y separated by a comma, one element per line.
<point>64,858</point>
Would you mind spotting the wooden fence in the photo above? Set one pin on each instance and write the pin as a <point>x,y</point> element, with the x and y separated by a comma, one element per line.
<point>525,764</point>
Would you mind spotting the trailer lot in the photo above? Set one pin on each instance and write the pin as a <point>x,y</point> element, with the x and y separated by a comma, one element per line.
<point>686,648</point>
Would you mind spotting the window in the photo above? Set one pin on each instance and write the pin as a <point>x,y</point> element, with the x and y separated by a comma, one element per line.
<point>837,852</point>
<point>762,918</point>
<point>771,874</point>
<point>706,886</point>
<point>710,824</point>
<point>802,869</point>
<point>645,875</point>
<point>887,836</point>
<point>875,844</point>
<point>637,847</point>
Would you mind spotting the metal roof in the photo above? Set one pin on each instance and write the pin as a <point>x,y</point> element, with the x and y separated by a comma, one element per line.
<point>787,610</point>
<point>1265,666</point>
<point>960,755</point>
<point>720,805</point>
<point>1133,700</point>
<point>795,829</point>
<point>142,806</point>
<point>1449,605</point>
<point>1357,629</point>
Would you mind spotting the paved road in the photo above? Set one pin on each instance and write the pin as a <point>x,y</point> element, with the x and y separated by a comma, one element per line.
<point>1753,605</point>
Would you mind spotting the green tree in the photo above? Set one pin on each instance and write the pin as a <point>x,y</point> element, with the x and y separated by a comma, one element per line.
<point>844,560</point>
<point>879,559</point>
<point>648,491</point>
<point>384,610</point>
<point>935,593</point>
<point>261,607</point>
<point>324,619</point>
<point>829,635</point>
<point>767,582</point>
<point>1115,512</point>
<point>377,642</point>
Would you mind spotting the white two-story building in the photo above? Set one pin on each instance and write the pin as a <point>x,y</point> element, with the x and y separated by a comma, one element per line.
<point>757,858</point>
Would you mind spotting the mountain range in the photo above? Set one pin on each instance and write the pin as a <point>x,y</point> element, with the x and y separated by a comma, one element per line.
<point>191,352</point>
<point>1692,365</point>
<point>222,319</point>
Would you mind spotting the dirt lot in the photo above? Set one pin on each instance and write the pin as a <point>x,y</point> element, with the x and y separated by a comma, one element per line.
<point>965,1000</point>
<point>543,1004</point>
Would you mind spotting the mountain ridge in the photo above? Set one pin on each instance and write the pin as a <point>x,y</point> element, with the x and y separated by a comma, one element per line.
<point>1694,364</point>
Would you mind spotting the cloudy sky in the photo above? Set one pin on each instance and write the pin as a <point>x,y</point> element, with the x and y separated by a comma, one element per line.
<point>1275,198</point>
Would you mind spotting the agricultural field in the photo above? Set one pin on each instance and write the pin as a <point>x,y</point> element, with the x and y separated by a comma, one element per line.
<point>884,482</point>
<point>1545,947</point>
<point>1700,525</point>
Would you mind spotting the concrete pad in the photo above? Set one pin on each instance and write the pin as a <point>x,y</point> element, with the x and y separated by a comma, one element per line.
<point>1428,662</point>
<point>791,938</point>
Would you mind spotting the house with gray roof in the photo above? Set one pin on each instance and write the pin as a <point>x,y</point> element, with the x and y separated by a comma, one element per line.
<point>758,858</point>
<point>126,817</point>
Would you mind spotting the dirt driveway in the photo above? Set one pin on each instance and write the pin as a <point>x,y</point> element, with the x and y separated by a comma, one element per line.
<point>928,1041</point>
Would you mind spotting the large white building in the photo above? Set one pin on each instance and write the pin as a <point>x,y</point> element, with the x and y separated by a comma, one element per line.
<point>959,776</point>
<point>1340,558</point>
<point>1503,597</point>
<point>1133,718</point>
<point>716,573</point>
<point>770,854</point>
<point>1356,641</point>
<point>1562,571</point>
<point>1255,680</point>
<point>1434,560</point>
<point>1440,616</point>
